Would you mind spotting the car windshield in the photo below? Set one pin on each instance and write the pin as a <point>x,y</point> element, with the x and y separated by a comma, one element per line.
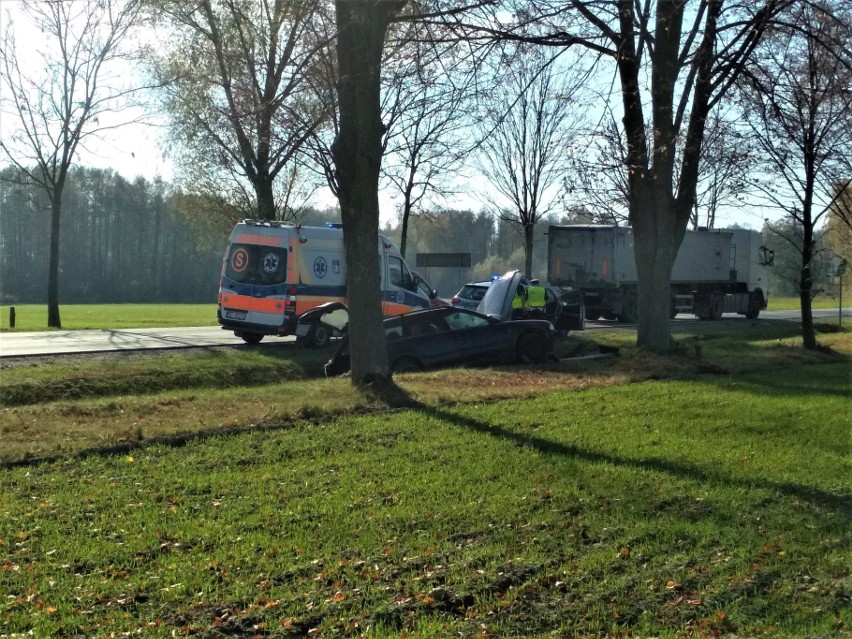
<point>474,293</point>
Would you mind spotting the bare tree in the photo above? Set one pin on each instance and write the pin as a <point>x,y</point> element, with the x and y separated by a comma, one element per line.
<point>675,61</point>
<point>797,101</point>
<point>67,97</point>
<point>427,86</point>
<point>599,182</point>
<point>596,183</point>
<point>726,159</point>
<point>238,88</point>
<point>526,134</point>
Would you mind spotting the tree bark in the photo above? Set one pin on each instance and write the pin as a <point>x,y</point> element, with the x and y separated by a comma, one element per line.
<point>53,320</point>
<point>809,340</point>
<point>265,198</point>
<point>657,237</point>
<point>357,153</point>
<point>529,231</point>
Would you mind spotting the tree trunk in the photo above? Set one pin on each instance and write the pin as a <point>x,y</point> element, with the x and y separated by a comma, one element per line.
<point>406,214</point>
<point>809,340</point>
<point>529,230</point>
<point>657,236</point>
<point>357,153</point>
<point>265,198</point>
<point>53,320</point>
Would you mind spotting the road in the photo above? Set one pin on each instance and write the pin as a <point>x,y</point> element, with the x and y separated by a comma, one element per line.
<point>791,316</point>
<point>15,344</point>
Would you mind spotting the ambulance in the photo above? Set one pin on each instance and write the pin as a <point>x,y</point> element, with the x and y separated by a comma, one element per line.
<point>273,273</point>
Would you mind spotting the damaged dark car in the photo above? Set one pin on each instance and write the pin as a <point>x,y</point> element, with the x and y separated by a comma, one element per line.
<point>451,336</point>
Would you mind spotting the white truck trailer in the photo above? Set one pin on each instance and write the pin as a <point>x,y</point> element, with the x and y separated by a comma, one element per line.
<point>715,272</point>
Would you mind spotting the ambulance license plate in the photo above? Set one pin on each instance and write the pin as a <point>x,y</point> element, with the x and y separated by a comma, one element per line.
<point>237,315</point>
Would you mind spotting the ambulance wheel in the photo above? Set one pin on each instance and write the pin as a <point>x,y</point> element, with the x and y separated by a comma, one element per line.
<point>319,336</point>
<point>251,338</point>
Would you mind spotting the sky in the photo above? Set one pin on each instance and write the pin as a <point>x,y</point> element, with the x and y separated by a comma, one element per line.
<point>139,150</point>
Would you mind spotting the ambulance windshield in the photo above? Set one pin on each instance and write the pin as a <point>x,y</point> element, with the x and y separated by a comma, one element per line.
<point>253,264</point>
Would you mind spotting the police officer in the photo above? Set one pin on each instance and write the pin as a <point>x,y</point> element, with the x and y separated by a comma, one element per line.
<point>536,300</point>
<point>519,301</point>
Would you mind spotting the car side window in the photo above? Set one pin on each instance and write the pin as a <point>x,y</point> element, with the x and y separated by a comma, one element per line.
<point>393,332</point>
<point>458,320</point>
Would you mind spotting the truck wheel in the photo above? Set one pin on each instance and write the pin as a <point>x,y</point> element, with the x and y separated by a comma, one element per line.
<point>630,311</point>
<point>754,304</point>
<point>251,338</point>
<point>532,348</point>
<point>319,336</point>
<point>717,307</point>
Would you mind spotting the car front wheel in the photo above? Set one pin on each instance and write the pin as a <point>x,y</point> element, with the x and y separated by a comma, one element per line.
<point>251,338</point>
<point>532,348</point>
<point>319,336</point>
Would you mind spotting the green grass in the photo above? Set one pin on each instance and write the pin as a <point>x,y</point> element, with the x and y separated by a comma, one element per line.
<point>716,505</point>
<point>230,492</point>
<point>33,317</point>
<point>126,399</point>
<point>794,304</point>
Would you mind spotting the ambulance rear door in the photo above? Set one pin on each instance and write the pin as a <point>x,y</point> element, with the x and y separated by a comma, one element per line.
<point>254,278</point>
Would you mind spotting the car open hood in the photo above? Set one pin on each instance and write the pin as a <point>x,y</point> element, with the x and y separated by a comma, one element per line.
<point>334,314</point>
<point>497,302</point>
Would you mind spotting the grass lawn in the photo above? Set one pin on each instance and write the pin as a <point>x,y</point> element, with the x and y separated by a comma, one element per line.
<point>33,317</point>
<point>793,303</point>
<point>692,496</point>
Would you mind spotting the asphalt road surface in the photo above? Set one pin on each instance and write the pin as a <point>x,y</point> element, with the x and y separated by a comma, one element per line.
<point>15,344</point>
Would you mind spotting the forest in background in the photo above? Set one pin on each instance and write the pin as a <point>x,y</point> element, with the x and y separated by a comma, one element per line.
<point>122,242</point>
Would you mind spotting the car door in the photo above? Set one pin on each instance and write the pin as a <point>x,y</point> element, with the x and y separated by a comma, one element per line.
<point>479,340</point>
<point>426,337</point>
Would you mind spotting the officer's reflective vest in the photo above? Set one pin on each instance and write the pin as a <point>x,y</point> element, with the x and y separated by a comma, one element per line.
<point>535,297</point>
<point>519,301</point>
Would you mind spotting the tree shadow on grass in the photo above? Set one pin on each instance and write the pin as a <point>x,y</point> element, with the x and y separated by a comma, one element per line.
<point>386,391</point>
<point>842,503</point>
<point>832,378</point>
